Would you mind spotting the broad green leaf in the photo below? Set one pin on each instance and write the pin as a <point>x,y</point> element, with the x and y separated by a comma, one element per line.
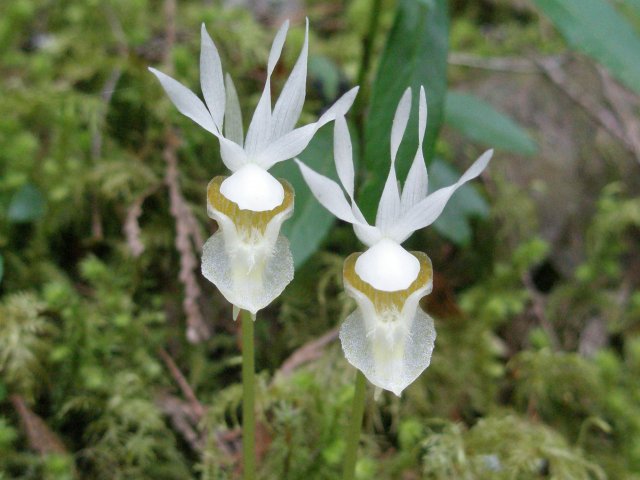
<point>323,70</point>
<point>595,28</point>
<point>465,203</point>
<point>479,121</point>
<point>310,222</point>
<point>415,54</point>
<point>27,205</point>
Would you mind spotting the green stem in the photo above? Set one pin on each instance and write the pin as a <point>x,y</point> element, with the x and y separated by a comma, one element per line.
<point>248,398</point>
<point>353,435</point>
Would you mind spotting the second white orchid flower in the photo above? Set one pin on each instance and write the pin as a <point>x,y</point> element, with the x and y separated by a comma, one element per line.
<point>388,338</point>
<point>247,259</point>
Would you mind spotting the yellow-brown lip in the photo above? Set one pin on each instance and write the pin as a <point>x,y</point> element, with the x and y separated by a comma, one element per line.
<point>247,218</point>
<point>384,300</point>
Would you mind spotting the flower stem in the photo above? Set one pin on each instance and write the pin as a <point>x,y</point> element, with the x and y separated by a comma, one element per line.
<point>248,398</point>
<point>353,435</point>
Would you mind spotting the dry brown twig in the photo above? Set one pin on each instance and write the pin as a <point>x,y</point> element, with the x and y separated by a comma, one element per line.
<point>620,120</point>
<point>180,379</point>
<point>308,352</point>
<point>187,229</point>
<point>39,436</point>
<point>625,106</point>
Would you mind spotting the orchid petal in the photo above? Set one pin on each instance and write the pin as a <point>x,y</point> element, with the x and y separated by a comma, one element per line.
<point>294,142</point>
<point>233,114</point>
<point>429,209</point>
<point>343,155</point>
<point>186,101</point>
<point>400,120</point>
<point>260,126</point>
<point>330,196</point>
<point>211,78</point>
<point>389,207</point>
<point>339,108</point>
<point>328,193</point>
<point>366,233</point>
<point>417,183</point>
<point>232,154</point>
<point>422,116</point>
<point>289,105</point>
<point>287,146</point>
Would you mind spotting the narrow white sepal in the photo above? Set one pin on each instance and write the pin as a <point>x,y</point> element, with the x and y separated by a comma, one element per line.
<point>186,101</point>
<point>328,193</point>
<point>276,46</point>
<point>286,147</point>
<point>233,129</point>
<point>427,211</point>
<point>211,78</point>
<point>339,108</point>
<point>389,206</point>
<point>343,155</point>
<point>233,155</point>
<point>400,120</point>
<point>236,312</point>
<point>422,116</point>
<point>417,182</point>
<point>259,132</point>
<point>289,105</point>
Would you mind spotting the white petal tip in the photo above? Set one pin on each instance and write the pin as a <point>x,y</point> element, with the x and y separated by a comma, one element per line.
<point>236,312</point>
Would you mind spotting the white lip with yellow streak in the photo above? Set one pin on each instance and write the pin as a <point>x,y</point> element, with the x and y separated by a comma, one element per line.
<point>247,259</point>
<point>388,337</point>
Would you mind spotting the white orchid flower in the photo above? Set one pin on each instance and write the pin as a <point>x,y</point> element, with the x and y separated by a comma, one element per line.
<point>388,338</point>
<point>247,259</point>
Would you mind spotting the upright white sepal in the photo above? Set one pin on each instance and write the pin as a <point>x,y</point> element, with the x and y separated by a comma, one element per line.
<point>186,101</point>
<point>211,78</point>
<point>233,129</point>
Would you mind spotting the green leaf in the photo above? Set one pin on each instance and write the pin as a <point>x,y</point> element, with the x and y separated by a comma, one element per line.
<point>1,267</point>
<point>326,73</point>
<point>310,222</point>
<point>415,54</point>
<point>595,28</point>
<point>27,205</point>
<point>479,121</point>
<point>465,203</point>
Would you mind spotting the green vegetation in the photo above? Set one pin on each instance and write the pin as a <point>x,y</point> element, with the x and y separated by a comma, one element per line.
<point>536,369</point>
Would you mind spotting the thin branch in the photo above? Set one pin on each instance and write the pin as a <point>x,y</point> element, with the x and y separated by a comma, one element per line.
<point>308,352</point>
<point>498,64</point>
<point>552,68</point>
<point>182,382</point>
<point>187,231</point>
<point>187,228</point>
<point>39,436</point>
<point>625,106</point>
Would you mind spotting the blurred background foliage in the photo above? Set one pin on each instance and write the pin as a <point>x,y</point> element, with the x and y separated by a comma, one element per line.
<point>118,361</point>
